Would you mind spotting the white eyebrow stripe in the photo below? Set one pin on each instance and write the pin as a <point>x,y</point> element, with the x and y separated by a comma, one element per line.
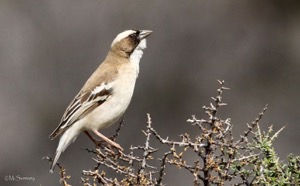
<point>122,35</point>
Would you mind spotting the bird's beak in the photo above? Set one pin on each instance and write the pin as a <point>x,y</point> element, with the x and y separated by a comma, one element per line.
<point>144,33</point>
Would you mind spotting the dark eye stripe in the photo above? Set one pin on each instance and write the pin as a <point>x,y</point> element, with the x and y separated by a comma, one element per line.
<point>135,35</point>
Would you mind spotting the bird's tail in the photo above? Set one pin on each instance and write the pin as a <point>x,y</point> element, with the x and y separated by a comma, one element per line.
<point>66,139</point>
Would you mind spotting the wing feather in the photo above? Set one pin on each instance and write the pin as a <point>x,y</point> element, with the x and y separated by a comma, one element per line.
<point>83,104</point>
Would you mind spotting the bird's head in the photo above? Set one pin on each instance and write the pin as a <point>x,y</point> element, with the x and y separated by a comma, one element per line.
<point>130,40</point>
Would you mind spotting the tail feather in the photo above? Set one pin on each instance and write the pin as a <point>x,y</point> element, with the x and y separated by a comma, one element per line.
<point>66,139</point>
<point>55,161</point>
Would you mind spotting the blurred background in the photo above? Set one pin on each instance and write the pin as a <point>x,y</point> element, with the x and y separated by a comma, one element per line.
<point>48,49</point>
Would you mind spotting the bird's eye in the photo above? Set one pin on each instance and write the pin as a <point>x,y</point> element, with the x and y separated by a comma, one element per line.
<point>133,35</point>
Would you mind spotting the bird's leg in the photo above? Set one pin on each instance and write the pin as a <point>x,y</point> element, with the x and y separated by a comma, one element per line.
<point>104,138</point>
<point>108,140</point>
<point>92,138</point>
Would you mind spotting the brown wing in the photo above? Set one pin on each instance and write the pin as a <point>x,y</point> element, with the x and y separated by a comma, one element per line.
<point>82,105</point>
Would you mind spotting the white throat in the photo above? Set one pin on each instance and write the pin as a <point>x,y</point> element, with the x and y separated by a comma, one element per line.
<point>137,54</point>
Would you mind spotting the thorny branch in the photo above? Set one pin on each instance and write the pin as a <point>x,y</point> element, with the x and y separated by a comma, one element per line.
<point>220,158</point>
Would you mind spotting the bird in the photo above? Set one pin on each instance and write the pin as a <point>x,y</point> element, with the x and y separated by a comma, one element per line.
<point>105,96</point>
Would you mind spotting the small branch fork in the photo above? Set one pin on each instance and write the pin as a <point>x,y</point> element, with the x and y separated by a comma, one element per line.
<point>62,172</point>
<point>134,170</point>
